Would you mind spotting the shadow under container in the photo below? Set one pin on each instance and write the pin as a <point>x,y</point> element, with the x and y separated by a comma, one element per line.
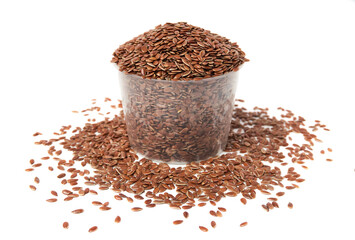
<point>178,121</point>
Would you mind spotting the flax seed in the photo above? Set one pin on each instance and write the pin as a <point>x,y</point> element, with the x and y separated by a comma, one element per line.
<point>177,222</point>
<point>65,225</point>
<point>118,219</point>
<point>244,224</point>
<point>203,229</point>
<point>93,229</point>
<point>213,224</point>
<point>78,211</point>
<point>137,209</point>
<point>36,180</point>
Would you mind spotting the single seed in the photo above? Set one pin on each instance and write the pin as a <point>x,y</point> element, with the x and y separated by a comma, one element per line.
<point>322,151</point>
<point>33,188</point>
<point>213,213</point>
<point>78,211</point>
<point>243,200</point>
<point>244,224</point>
<point>203,229</point>
<point>329,160</point>
<point>213,224</point>
<point>201,204</point>
<point>96,203</point>
<point>54,193</point>
<point>279,194</point>
<point>32,161</point>
<point>219,214</point>
<point>61,175</point>
<point>290,205</point>
<point>29,169</point>
<point>68,199</point>
<point>330,150</point>
<point>65,225</point>
<point>93,229</point>
<point>36,180</point>
<point>137,209</point>
<point>222,209</point>
<point>118,219</point>
<point>45,158</point>
<point>151,205</point>
<point>186,214</point>
<point>51,200</point>
<point>177,222</point>
<point>104,208</point>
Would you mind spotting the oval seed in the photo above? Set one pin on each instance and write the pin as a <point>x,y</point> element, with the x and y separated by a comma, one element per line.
<point>243,224</point>
<point>93,229</point>
<point>36,180</point>
<point>186,214</point>
<point>65,225</point>
<point>77,211</point>
<point>290,205</point>
<point>137,209</point>
<point>177,222</point>
<point>203,229</point>
<point>33,188</point>
<point>118,219</point>
<point>213,224</point>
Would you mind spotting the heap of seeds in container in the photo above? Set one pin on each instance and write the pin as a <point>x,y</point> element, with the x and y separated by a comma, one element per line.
<point>178,91</point>
<point>178,51</point>
<point>256,140</point>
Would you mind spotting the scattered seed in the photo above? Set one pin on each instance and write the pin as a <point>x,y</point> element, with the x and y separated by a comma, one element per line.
<point>329,160</point>
<point>96,203</point>
<point>222,209</point>
<point>65,225</point>
<point>244,224</point>
<point>33,188</point>
<point>36,180</point>
<point>186,214</point>
<point>78,211</point>
<point>93,229</point>
<point>203,229</point>
<point>104,208</point>
<point>213,224</point>
<point>330,150</point>
<point>279,194</point>
<point>29,169</point>
<point>118,219</point>
<point>137,209</point>
<point>243,200</point>
<point>51,200</point>
<point>177,222</point>
<point>61,175</point>
<point>54,193</point>
<point>290,205</point>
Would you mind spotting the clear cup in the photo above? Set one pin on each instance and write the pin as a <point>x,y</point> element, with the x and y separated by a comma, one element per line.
<point>178,121</point>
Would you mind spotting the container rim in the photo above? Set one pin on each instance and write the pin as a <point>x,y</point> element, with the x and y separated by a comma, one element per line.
<point>161,80</point>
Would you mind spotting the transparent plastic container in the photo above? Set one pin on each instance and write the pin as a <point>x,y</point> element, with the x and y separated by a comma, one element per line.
<point>178,121</point>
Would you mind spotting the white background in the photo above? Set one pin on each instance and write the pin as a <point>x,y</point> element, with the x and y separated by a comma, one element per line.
<point>55,57</point>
